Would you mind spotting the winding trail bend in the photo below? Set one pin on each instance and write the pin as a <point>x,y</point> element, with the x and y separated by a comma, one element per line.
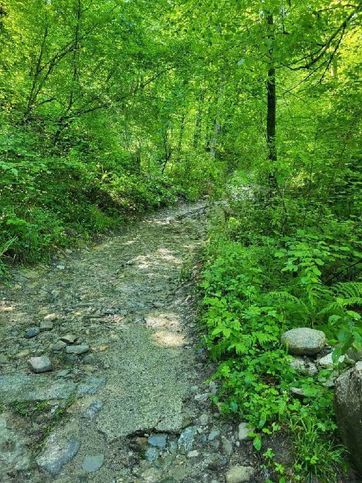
<point>133,407</point>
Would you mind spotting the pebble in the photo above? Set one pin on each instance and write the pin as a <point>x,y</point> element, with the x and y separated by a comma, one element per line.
<point>158,440</point>
<point>51,317</point>
<point>227,446</point>
<point>327,362</point>
<point>58,346</point>
<point>239,474</point>
<point>93,409</point>
<point>40,364</point>
<point>193,454</point>
<point>151,454</point>
<point>186,439</point>
<point>204,419</point>
<point>213,435</point>
<point>304,367</point>
<point>32,332</point>
<point>92,463</point>
<point>243,431</point>
<point>46,325</point>
<point>69,338</point>
<point>77,349</point>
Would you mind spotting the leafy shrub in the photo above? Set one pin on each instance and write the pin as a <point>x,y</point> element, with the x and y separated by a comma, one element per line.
<point>258,282</point>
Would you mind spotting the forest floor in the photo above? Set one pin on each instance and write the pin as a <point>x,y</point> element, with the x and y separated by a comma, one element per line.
<point>127,397</point>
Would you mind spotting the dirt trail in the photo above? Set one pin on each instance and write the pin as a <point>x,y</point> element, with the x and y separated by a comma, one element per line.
<point>133,405</point>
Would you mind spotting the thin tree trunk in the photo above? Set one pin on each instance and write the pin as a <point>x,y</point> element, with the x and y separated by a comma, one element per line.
<point>271,97</point>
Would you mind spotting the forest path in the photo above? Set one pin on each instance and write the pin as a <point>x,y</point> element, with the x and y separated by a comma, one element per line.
<point>133,406</point>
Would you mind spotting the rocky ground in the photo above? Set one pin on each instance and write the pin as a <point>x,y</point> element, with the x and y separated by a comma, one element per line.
<point>102,375</point>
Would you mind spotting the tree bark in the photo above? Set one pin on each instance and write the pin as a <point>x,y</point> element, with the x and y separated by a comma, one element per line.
<point>271,97</point>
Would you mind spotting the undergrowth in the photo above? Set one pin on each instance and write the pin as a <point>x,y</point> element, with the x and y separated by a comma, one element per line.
<point>261,278</point>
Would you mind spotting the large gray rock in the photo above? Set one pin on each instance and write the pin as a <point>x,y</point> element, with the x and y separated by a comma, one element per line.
<point>304,341</point>
<point>348,404</point>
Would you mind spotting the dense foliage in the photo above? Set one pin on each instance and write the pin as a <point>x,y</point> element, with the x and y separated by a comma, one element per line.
<point>113,107</point>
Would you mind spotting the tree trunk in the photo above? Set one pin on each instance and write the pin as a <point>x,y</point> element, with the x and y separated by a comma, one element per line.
<point>271,97</point>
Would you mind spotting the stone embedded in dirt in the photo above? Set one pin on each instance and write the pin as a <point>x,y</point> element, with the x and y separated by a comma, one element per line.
<point>243,431</point>
<point>304,341</point>
<point>193,454</point>
<point>69,338</point>
<point>151,454</point>
<point>213,435</point>
<point>348,405</point>
<point>32,332</point>
<point>186,439</point>
<point>58,346</point>
<point>204,419</point>
<point>57,452</point>
<point>227,446</point>
<point>90,385</point>
<point>239,474</point>
<point>46,325</point>
<point>93,409</point>
<point>158,440</point>
<point>40,364</point>
<point>91,463</point>
<point>51,317</point>
<point>327,362</point>
<point>77,349</point>
<point>14,454</point>
<point>304,367</point>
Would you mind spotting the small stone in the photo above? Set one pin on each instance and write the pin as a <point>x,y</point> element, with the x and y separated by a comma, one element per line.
<point>93,409</point>
<point>91,464</point>
<point>77,349</point>
<point>40,364</point>
<point>46,325</point>
<point>32,332</point>
<point>303,367</point>
<point>51,317</point>
<point>69,338</point>
<point>227,446</point>
<point>60,267</point>
<point>193,454</point>
<point>243,431</point>
<point>186,439</point>
<point>326,362</point>
<point>239,474</point>
<point>304,341</point>
<point>213,435</point>
<point>23,353</point>
<point>158,440</point>
<point>204,419</point>
<point>151,454</point>
<point>58,346</point>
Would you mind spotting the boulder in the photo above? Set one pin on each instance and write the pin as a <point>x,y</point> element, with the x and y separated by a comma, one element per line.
<point>304,341</point>
<point>348,405</point>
